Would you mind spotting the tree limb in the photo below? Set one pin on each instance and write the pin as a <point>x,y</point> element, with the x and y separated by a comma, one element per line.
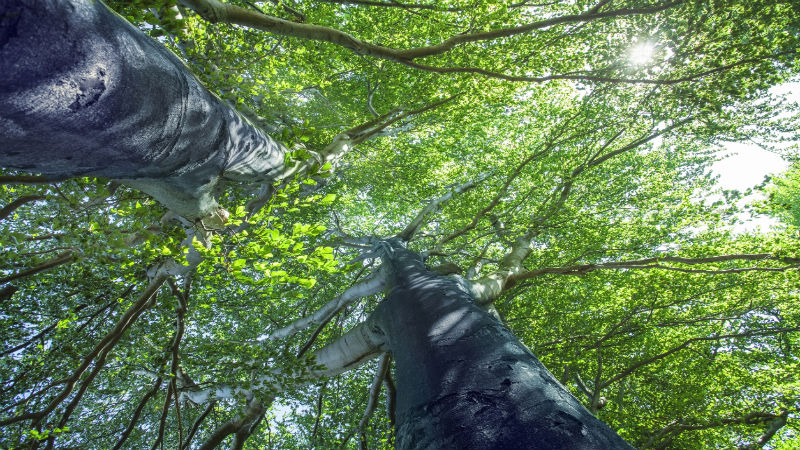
<point>391,398</point>
<point>162,422</point>
<point>252,412</point>
<point>662,438</point>
<point>362,343</point>
<point>366,133</point>
<point>435,204</point>
<point>60,259</point>
<point>372,285</point>
<point>393,4</point>
<point>196,424</point>
<point>497,198</point>
<point>318,417</point>
<point>138,412</point>
<point>215,11</point>
<point>489,288</point>
<point>686,344</point>
<point>374,391</point>
<point>586,77</point>
<point>8,209</point>
<point>144,301</point>
<point>655,263</point>
<point>28,179</point>
<point>773,428</point>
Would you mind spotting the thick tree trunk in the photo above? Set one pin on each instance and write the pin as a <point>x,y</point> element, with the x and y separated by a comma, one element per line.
<point>463,379</point>
<point>83,92</point>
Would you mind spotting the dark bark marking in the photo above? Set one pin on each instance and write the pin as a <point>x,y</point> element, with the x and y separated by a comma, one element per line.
<point>90,90</point>
<point>8,26</point>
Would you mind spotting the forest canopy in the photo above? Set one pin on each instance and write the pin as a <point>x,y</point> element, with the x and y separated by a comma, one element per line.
<point>552,157</point>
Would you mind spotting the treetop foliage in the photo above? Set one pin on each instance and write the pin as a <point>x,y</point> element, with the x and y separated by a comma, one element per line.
<point>570,169</point>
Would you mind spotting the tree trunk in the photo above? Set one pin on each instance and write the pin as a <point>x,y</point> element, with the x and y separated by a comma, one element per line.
<point>463,379</point>
<point>86,93</point>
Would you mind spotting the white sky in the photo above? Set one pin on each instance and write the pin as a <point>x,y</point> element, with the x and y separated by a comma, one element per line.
<point>746,164</point>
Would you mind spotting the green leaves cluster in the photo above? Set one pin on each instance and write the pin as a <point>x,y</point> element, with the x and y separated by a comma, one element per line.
<point>597,169</point>
<point>784,196</point>
<point>262,253</point>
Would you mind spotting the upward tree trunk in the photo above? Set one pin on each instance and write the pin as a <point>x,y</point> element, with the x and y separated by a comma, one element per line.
<point>83,92</point>
<point>463,379</point>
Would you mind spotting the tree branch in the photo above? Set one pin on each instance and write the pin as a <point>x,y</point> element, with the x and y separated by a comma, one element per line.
<point>435,204</point>
<point>372,285</point>
<point>144,301</point>
<point>8,209</point>
<point>776,421</point>
<point>196,424</point>
<point>655,263</point>
<point>391,398</point>
<point>318,417</point>
<point>773,428</point>
<point>489,288</point>
<point>586,77</point>
<point>372,399</point>
<point>60,259</point>
<point>138,412</point>
<point>365,133</point>
<point>582,386</point>
<point>42,333</point>
<point>215,11</point>
<point>497,198</point>
<point>393,4</point>
<point>251,414</point>
<point>172,388</point>
<point>28,179</point>
<point>162,422</point>
<point>362,343</point>
<point>686,344</point>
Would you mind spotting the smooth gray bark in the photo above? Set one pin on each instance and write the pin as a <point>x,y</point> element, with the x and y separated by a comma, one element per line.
<point>84,92</point>
<point>464,381</point>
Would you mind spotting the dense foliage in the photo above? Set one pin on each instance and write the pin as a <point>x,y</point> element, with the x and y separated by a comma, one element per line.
<point>588,134</point>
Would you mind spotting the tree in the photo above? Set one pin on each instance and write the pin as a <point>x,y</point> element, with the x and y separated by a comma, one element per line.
<point>515,145</point>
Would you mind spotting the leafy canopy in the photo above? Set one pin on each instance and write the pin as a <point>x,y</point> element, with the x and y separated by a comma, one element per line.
<point>597,162</point>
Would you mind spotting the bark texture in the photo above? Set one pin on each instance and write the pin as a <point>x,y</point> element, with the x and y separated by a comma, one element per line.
<point>86,93</point>
<point>463,379</point>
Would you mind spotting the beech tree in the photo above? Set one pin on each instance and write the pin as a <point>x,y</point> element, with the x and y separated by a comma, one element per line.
<point>254,225</point>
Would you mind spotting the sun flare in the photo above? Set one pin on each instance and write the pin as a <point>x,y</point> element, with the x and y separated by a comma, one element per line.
<point>641,53</point>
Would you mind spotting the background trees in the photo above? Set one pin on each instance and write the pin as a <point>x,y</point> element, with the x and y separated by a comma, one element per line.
<point>580,208</point>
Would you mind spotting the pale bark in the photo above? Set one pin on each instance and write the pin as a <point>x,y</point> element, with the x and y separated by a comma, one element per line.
<point>86,93</point>
<point>435,205</point>
<point>370,286</point>
<point>359,345</point>
<point>464,380</point>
